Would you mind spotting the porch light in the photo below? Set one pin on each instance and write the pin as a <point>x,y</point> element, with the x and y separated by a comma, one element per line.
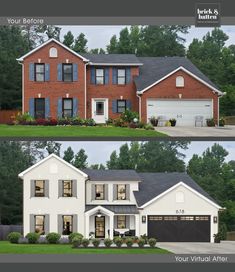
<point>215,219</point>
<point>143,219</point>
<point>180,96</point>
<point>99,214</point>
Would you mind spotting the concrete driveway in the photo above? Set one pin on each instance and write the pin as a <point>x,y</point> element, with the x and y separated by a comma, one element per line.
<point>227,131</point>
<point>225,247</point>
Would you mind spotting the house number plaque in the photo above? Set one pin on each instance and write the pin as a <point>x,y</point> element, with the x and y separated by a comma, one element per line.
<point>180,211</point>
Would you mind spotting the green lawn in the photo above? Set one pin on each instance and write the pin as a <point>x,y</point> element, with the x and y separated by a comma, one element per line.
<point>74,131</point>
<point>8,248</point>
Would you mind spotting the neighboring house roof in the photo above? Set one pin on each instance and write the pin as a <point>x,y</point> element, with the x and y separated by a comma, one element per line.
<point>112,175</point>
<point>21,175</point>
<point>117,209</point>
<point>155,69</point>
<point>113,59</point>
<point>154,184</point>
<point>47,42</point>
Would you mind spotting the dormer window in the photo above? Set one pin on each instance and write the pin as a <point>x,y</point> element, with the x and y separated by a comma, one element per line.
<point>53,53</point>
<point>179,81</point>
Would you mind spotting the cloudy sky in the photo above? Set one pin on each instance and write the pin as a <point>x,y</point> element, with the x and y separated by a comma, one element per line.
<point>99,152</point>
<point>99,36</point>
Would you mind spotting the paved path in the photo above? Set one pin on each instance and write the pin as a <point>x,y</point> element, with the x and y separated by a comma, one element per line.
<point>225,247</point>
<point>227,131</point>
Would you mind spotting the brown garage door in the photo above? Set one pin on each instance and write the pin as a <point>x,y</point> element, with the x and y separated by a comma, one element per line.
<point>172,228</point>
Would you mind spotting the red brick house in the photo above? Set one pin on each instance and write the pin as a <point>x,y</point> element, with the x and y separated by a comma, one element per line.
<point>58,82</point>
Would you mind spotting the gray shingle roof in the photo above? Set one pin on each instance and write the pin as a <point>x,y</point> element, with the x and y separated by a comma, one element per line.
<point>117,209</point>
<point>153,184</point>
<point>155,68</point>
<point>112,58</point>
<point>112,175</point>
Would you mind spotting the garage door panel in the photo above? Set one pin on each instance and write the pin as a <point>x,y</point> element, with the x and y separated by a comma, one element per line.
<point>184,111</point>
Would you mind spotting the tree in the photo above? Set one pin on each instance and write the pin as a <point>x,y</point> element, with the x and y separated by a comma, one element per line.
<point>80,160</point>
<point>80,45</point>
<point>112,48</point>
<point>68,39</point>
<point>69,155</point>
<point>113,161</point>
<point>124,45</point>
<point>50,31</point>
<point>97,167</point>
<point>97,51</point>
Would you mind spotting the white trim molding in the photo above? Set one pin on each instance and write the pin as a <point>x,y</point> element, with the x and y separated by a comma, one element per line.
<point>115,64</point>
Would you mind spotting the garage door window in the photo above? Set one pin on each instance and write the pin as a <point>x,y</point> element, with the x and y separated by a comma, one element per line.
<point>186,218</point>
<point>179,81</point>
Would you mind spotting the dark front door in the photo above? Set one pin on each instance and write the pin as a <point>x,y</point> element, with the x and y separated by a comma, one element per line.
<point>172,228</point>
<point>39,108</point>
<point>100,227</point>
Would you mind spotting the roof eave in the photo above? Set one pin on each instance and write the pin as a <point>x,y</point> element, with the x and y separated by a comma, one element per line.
<point>114,64</point>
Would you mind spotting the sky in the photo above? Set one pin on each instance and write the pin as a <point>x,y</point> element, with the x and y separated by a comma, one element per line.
<point>99,151</point>
<point>99,36</point>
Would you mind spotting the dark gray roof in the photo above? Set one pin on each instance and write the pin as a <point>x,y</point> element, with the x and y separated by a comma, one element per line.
<point>117,209</point>
<point>155,68</point>
<point>112,175</point>
<point>153,184</point>
<point>112,58</point>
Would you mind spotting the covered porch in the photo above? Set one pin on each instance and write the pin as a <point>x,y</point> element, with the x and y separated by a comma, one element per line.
<point>107,221</point>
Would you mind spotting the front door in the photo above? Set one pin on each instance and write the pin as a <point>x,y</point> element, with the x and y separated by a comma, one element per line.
<point>100,227</point>
<point>39,108</point>
<point>99,110</point>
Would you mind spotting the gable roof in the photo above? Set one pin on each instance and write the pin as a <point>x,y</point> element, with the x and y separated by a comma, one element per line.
<point>112,175</point>
<point>47,42</point>
<point>113,59</point>
<point>155,69</point>
<point>154,184</point>
<point>21,175</point>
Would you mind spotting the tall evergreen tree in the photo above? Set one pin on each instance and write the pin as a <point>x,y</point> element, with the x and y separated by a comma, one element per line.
<point>80,45</point>
<point>69,155</point>
<point>68,39</point>
<point>80,160</point>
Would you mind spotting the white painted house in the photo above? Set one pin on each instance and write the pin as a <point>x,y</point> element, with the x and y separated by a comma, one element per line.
<point>169,206</point>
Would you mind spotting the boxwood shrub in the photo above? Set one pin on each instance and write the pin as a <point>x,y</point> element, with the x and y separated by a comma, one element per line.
<point>73,235</point>
<point>152,242</point>
<point>129,242</point>
<point>118,241</point>
<point>141,242</point>
<point>32,237</point>
<point>53,238</point>
<point>108,242</point>
<point>77,241</point>
<point>85,242</point>
<point>95,242</point>
<point>13,237</point>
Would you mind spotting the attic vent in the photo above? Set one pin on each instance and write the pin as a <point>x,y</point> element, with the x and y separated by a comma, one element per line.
<point>53,52</point>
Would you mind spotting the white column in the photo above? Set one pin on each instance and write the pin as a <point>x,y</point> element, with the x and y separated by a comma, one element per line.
<point>111,227</point>
<point>137,225</point>
<point>87,227</point>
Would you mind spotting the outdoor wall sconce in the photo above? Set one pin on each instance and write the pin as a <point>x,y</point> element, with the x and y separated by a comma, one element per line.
<point>39,60</point>
<point>67,95</point>
<point>99,214</point>
<point>39,95</point>
<point>215,219</point>
<point>121,97</point>
<point>180,96</point>
<point>143,219</point>
<point>67,60</point>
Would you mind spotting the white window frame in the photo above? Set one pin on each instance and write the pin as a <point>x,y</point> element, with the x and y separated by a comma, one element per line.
<point>179,81</point>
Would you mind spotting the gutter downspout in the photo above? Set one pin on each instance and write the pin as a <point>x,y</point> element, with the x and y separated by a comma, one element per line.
<point>85,98</point>
<point>218,117</point>
<point>22,85</point>
<point>139,96</point>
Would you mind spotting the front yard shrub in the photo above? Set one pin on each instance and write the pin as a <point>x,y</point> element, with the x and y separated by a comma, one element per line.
<point>145,238</point>
<point>133,125</point>
<point>32,237</point>
<point>53,238</point>
<point>221,122</point>
<point>118,122</point>
<point>152,242</point>
<point>89,122</point>
<point>76,241</point>
<point>223,231</point>
<point>41,122</point>
<point>210,122</point>
<point>141,125</point>
<point>149,127</point>
<point>217,238</point>
<point>13,237</point>
<point>95,242</point>
<point>108,242</point>
<point>85,242</point>
<point>154,121</point>
<point>63,122</point>
<point>73,235</point>
<point>130,116</point>
<point>141,242</point>
<point>23,118</point>
<point>23,240</point>
<point>118,241</point>
<point>52,122</point>
<point>129,242</point>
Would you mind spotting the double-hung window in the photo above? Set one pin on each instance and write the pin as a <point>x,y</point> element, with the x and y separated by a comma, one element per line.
<point>68,72</point>
<point>67,224</point>
<point>67,107</point>
<point>39,72</point>
<point>121,192</point>
<point>121,221</point>
<point>99,191</point>
<point>121,76</point>
<point>121,106</point>
<point>39,188</point>
<point>39,224</point>
<point>99,76</point>
<point>67,188</point>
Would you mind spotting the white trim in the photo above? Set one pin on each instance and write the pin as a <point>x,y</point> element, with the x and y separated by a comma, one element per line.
<point>21,175</point>
<point>186,71</point>
<point>115,64</point>
<point>181,183</point>
<point>85,96</point>
<point>47,42</point>
<point>92,211</point>
<point>106,109</point>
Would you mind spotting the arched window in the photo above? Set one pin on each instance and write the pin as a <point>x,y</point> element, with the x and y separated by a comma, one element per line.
<point>179,81</point>
<point>53,52</point>
<point>179,197</point>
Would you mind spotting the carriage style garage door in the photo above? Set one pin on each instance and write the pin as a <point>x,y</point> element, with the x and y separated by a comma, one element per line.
<point>171,228</point>
<point>184,111</point>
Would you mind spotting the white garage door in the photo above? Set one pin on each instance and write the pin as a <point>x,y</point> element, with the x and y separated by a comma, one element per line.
<point>184,111</point>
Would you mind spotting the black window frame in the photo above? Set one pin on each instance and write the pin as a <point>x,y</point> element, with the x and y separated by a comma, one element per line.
<point>97,192</point>
<point>65,226</point>
<point>44,107</point>
<point>71,188</point>
<point>121,100</point>
<point>121,68</point>
<point>36,225</point>
<point>100,76</point>
<point>41,73</point>
<point>63,72</point>
<point>63,109</point>
<point>121,221</point>
<point>42,194</point>
<point>118,192</point>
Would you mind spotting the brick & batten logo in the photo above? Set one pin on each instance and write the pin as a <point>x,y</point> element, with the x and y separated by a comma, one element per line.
<point>207,15</point>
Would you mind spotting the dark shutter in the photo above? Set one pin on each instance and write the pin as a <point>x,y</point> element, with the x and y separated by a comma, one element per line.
<point>127,221</point>
<point>75,223</point>
<point>74,188</point>
<point>60,188</point>
<point>59,108</point>
<point>31,223</point>
<point>31,107</point>
<point>114,106</point>
<point>75,107</point>
<point>47,72</point>
<point>128,191</point>
<point>75,72</point>
<point>92,191</point>
<point>128,75</point>
<point>114,75</point>
<point>128,104</point>
<point>106,72</point>
<point>92,75</point>
<point>32,188</point>
<point>115,222</point>
<point>47,223</point>
<point>59,72</point>
<point>31,72</point>
<point>60,223</point>
<point>46,188</point>
<point>47,107</point>
<point>115,192</point>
